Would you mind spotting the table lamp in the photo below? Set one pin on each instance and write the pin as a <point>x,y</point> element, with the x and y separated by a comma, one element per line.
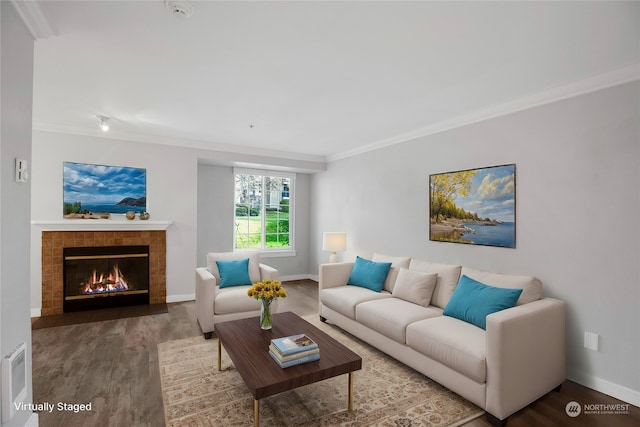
<point>334,242</point>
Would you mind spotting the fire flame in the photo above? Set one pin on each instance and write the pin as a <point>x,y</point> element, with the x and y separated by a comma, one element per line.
<point>113,282</point>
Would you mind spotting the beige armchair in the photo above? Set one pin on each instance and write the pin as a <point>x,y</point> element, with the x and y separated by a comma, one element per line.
<point>215,304</point>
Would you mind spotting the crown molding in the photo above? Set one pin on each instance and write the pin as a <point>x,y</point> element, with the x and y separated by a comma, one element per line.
<point>318,163</point>
<point>35,17</point>
<point>577,88</point>
<point>225,152</point>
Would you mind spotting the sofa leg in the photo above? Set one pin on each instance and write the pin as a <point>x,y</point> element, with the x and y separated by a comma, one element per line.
<point>557,389</point>
<point>208,335</point>
<point>323,319</point>
<point>495,421</point>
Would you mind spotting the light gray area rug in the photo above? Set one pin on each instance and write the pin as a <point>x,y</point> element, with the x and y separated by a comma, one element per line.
<point>386,392</point>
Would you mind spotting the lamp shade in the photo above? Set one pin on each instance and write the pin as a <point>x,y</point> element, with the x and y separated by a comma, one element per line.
<point>334,241</point>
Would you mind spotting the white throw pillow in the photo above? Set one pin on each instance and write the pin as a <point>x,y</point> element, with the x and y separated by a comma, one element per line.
<point>397,262</point>
<point>415,286</point>
<point>448,276</point>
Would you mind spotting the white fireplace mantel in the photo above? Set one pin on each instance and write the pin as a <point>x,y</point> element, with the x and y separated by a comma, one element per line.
<point>115,224</point>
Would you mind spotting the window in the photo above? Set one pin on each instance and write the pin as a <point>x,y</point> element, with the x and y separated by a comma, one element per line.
<point>263,210</point>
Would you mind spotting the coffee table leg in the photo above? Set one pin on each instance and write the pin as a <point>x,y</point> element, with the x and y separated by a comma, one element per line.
<point>219,355</point>
<point>256,413</point>
<point>350,403</point>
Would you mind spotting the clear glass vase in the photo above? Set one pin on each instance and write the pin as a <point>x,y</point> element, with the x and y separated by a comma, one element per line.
<point>266,321</point>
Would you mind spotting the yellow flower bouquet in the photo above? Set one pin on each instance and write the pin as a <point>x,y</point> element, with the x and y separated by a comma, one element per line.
<point>266,291</point>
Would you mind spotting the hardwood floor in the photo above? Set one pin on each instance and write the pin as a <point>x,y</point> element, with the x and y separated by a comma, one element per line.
<point>113,365</point>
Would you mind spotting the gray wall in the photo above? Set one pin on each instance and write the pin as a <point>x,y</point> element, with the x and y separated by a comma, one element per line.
<point>215,210</point>
<point>178,190</point>
<point>215,219</point>
<point>577,166</point>
<point>15,141</point>
<point>171,196</point>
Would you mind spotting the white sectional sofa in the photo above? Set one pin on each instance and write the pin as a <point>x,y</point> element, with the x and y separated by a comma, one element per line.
<point>518,358</point>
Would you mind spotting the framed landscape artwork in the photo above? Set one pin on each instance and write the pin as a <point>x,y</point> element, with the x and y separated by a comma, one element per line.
<point>95,191</point>
<point>474,206</point>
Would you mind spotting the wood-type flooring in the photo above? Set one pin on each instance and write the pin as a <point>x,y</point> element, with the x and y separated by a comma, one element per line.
<point>113,364</point>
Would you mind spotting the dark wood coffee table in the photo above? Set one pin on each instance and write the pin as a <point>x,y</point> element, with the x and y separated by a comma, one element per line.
<point>248,348</point>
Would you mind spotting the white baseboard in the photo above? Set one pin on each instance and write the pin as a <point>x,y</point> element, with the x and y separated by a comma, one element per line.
<point>295,277</point>
<point>180,298</point>
<point>603,386</point>
<point>36,312</point>
<point>33,420</point>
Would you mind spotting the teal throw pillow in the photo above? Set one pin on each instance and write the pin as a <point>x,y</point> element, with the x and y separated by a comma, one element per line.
<point>473,301</point>
<point>234,272</point>
<point>369,274</point>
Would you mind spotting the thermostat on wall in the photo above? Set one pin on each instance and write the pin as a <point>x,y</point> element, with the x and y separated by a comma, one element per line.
<point>22,174</point>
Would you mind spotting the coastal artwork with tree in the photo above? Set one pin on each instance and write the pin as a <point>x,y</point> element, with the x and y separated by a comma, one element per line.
<point>474,206</point>
<point>96,191</point>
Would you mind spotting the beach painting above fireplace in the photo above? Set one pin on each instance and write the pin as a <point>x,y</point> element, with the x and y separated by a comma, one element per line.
<point>91,190</point>
<point>474,206</point>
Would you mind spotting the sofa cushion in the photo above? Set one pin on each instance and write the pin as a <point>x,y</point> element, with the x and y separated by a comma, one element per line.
<point>254,263</point>
<point>531,286</point>
<point>369,274</point>
<point>448,275</point>
<point>234,299</point>
<point>344,299</point>
<point>234,272</point>
<point>473,301</point>
<point>397,263</point>
<point>391,316</point>
<point>415,286</point>
<point>452,342</point>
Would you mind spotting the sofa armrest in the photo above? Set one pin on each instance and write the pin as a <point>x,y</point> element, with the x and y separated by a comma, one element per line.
<point>268,273</point>
<point>335,274</point>
<point>526,352</point>
<point>205,297</point>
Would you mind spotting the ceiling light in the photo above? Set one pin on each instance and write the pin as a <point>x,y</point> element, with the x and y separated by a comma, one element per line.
<point>103,122</point>
<point>181,8</point>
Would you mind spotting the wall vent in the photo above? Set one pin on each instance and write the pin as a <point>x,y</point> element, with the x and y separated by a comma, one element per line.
<point>14,381</point>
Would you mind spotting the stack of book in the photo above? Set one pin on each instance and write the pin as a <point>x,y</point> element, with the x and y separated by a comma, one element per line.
<point>294,350</point>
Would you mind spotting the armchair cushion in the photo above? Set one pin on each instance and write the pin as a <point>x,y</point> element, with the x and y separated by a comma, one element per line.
<point>234,299</point>
<point>254,263</point>
<point>234,272</point>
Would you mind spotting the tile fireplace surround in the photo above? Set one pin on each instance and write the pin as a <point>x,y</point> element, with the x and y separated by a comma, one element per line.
<point>54,241</point>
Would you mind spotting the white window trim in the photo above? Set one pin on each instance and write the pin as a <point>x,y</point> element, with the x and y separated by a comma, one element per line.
<point>266,252</point>
<point>271,253</point>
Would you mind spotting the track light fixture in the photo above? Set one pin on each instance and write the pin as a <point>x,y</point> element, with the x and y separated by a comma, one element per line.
<point>103,122</point>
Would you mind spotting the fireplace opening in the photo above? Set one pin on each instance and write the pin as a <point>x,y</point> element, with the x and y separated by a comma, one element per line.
<point>105,277</point>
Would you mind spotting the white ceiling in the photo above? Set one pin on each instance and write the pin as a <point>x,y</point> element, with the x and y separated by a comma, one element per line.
<point>318,80</point>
